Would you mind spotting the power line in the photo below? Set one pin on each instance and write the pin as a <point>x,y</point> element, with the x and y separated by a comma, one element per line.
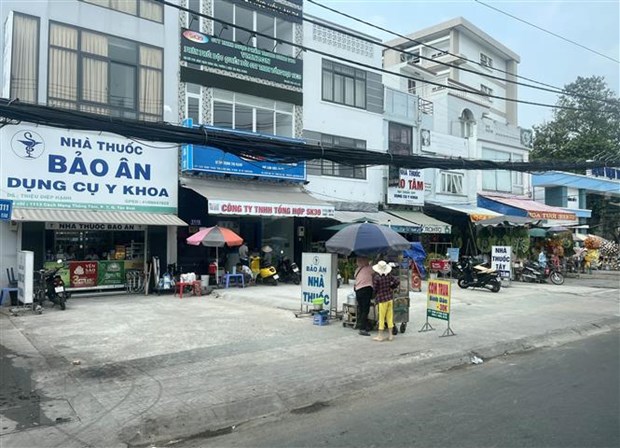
<point>544,30</point>
<point>372,68</point>
<point>269,148</point>
<point>550,88</point>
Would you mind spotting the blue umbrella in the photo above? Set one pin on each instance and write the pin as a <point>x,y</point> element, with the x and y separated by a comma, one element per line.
<point>366,239</point>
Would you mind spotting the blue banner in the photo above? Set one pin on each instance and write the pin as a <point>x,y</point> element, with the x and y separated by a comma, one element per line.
<point>6,206</point>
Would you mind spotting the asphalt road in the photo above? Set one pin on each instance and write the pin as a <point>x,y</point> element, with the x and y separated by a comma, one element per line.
<point>566,396</point>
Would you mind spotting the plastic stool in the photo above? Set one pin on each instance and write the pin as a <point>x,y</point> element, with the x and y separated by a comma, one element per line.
<point>8,292</point>
<point>236,277</point>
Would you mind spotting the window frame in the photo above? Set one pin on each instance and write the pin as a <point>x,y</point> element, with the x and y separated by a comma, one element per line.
<point>447,178</point>
<point>81,55</point>
<point>138,7</point>
<point>498,155</point>
<point>486,60</point>
<point>328,168</point>
<point>38,50</point>
<point>334,70</point>
<point>486,90</point>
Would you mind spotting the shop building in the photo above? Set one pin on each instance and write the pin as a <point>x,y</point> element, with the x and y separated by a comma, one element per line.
<point>464,124</point>
<point>234,79</point>
<point>76,194</point>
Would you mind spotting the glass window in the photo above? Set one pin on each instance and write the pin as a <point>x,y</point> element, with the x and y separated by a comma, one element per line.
<point>147,9</point>
<point>400,139</point>
<point>25,59</point>
<point>222,115</point>
<point>344,85</point>
<point>284,124</point>
<point>496,180</point>
<point>152,11</point>
<point>193,21</point>
<point>223,11</point>
<point>193,109</point>
<point>265,25</point>
<point>265,121</point>
<point>104,74</point>
<point>244,18</point>
<point>244,118</point>
<point>329,168</point>
<point>451,183</point>
<point>284,31</point>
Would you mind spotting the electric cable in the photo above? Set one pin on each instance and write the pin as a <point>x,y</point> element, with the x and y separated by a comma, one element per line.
<point>376,69</point>
<point>543,30</point>
<point>551,87</point>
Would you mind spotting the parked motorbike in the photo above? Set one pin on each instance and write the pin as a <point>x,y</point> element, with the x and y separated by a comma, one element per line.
<point>534,272</point>
<point>265,272</point>
<point>478,276</point>
<point>289,271</point>
<point>52,287</point>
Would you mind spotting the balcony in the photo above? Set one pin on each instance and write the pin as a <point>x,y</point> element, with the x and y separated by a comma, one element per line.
<point>400,105</point>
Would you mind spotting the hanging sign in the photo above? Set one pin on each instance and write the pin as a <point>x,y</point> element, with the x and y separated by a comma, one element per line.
<point>501,261</point>
<point>410,188</point>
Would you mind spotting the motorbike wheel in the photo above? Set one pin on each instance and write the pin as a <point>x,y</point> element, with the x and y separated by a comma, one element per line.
<point>274,282</point>
<point>62,299</point>
<point>556,278</point>
<point>496,286</point>
<point>463,283</point>
<point>297,279</point>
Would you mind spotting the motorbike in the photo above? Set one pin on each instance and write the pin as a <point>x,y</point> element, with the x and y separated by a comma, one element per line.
<point>52,287</point>
<point>265,272</point>
<point>534,272</point>
<point>478,276</point>
<point>289,271</point>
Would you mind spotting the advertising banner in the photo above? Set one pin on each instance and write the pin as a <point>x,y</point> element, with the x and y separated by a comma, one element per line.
<point>42,167</point>
<point>94,226</point>
<point>410,188</point>
<point>223,207</point>
<point>25,276</point>
<point>234,57</point>
<point>111,273</point>
<point>83,274</point>
<point>501,261</point>
<point>438,299</point>
<point>318,279</point>
<point>6,207</point>
<point>207,159</point>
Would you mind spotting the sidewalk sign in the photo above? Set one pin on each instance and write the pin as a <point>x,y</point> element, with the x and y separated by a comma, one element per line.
<point>318,281</point>
<point>501,261</point>
<point>25,274</point>
<point>438,304</point>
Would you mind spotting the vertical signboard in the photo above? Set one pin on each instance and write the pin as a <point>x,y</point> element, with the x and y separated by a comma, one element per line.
<point>438,304</point>
<point>501,261</point>
<point>25,270</point>
<point>318,280</point>
<point>409,190</point>
<point>6,207</point>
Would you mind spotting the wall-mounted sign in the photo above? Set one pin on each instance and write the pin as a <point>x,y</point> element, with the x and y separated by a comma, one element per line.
<point>235,57</point>
<point>6,207</point>
<point>42,167</point>
<point>207,159</point>
<point>409,190</point>
<point>223,207</point>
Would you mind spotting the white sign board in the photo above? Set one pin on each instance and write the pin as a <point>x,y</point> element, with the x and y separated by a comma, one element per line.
<point>410,188</point>
<point>43,167</point>
<point>318,279</point>
<point>248,208</point>
<point>25,273</point>
<point>501,261</point>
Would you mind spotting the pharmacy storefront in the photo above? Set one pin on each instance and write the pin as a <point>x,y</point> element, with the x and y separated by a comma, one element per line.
<point>103,203</point>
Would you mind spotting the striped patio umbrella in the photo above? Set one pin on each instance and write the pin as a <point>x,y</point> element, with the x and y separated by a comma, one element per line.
<point>215,237</point>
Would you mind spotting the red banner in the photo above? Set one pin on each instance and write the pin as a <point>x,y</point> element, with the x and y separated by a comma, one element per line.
<point>83,274</point>
<point>440,265</point>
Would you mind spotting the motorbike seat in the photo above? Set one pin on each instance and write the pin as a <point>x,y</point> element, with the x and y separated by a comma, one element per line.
<point>483,269</point>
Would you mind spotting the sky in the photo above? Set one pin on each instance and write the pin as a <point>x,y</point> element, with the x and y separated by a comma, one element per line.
<point>546,58</point>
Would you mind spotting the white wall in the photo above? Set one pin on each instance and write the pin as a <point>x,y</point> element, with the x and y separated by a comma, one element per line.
<point>74,12</point>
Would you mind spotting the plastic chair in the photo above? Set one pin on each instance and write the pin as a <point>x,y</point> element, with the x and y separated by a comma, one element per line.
<point>12,280</point>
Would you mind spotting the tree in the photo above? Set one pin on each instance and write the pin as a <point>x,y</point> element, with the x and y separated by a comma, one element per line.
<point>591,132</point>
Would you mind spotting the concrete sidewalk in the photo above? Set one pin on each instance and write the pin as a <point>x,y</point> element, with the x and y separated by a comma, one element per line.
<point>154,369</point>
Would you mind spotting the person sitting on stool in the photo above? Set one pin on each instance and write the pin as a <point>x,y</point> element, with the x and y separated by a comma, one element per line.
<point>246,272</point>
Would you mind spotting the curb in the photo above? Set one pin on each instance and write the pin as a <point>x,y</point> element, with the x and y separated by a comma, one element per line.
<point>224,418</point>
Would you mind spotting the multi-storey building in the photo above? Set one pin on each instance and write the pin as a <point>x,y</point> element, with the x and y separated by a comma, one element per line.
<point>84,194</point>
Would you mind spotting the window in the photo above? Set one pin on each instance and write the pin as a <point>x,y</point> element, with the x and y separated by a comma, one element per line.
<point>400,139</point>
<point>146,9</point>
<point>411,58</point>
<point>193,103</point>
<point>486,60</point>
<point>496,180</point>
<point>193,21</point>
<point>260,22</point>
<point>25,58</point>
<point>467,123</point>
<point>411,86</point>
<point>104,74</point>
<point>343,84</point>
<point>253,114</point>
<point>328,168</point>
<point>451,183</point>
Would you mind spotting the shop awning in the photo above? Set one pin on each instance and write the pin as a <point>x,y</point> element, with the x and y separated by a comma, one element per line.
<point>475,213</point>
<point>524,207</point>
<point>385,219</point>
<point>427,223</point>
<point>95,217</point>
<point>255,198</point>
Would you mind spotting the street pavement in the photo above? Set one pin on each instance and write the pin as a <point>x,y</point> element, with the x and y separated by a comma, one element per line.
<point>134,370</point>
